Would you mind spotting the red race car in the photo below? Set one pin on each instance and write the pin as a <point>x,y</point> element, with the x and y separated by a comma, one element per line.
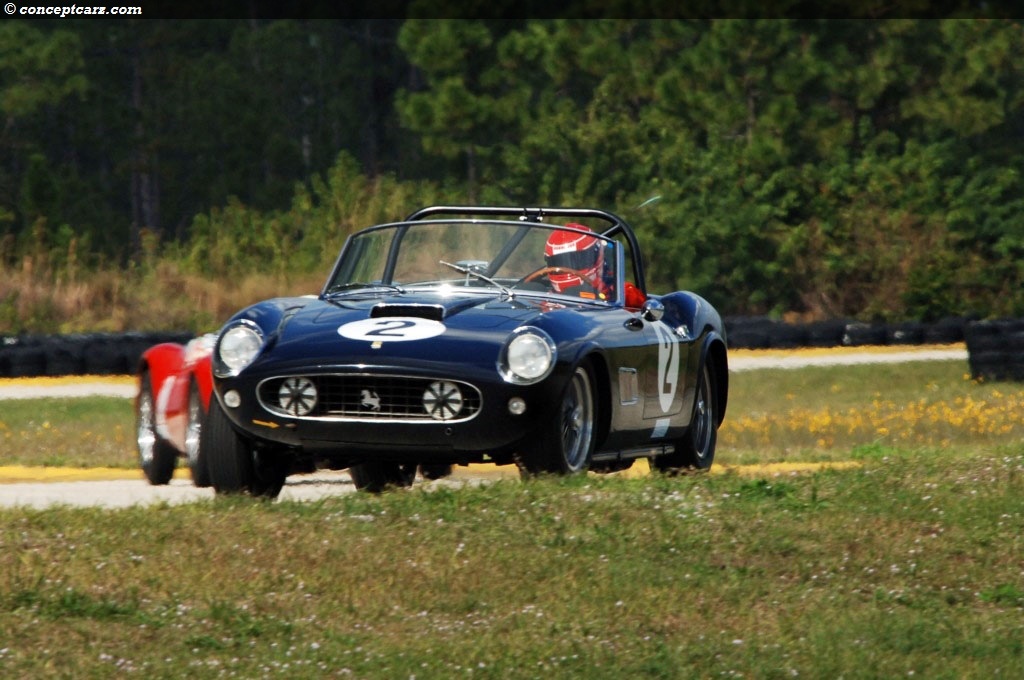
<point>175,387</point>
<point>175,383</point>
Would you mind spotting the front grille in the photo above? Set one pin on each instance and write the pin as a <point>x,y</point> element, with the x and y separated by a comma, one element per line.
<point>373,398</point>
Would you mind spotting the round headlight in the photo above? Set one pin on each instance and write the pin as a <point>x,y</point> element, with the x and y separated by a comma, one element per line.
<point>239,346</point>
<point>529,356</point>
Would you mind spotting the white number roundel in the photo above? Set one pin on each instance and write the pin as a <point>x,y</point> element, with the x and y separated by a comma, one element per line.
<point>392,329</point>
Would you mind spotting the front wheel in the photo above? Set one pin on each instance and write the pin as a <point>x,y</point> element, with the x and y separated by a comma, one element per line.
<point>156,455</point>
<point>375,476</point>
<point>234,465</point>
<point>696,448</point>
<point>566,441</point>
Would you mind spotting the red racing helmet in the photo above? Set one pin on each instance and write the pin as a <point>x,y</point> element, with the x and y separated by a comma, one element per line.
<point>582,253</point>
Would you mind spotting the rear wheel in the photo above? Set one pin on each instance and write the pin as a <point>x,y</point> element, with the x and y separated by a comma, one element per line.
<point>566,442</point>
<point>156,455</point>
<point>195,453</point>
<point>234,465</point>
<point>375,476</point>
<point>696,448</point>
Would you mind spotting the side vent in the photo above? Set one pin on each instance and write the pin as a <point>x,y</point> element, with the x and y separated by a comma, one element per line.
<point>434,312</point>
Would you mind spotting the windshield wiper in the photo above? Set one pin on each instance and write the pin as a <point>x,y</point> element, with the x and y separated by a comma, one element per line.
<point>470,271</point>
<point>361,285</point>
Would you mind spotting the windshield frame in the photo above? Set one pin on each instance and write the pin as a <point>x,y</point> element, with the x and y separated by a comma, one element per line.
<point>357,244</point>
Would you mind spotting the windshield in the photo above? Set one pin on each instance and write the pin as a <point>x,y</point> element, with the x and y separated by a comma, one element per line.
<point>514,257</point>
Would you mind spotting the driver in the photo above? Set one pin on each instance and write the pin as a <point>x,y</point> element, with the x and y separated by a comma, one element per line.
<point>583,256</point>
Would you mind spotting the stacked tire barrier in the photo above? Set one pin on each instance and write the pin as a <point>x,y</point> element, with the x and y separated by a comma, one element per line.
<point>766,333</point>
<point>24,356</point>
<point>995,349</point>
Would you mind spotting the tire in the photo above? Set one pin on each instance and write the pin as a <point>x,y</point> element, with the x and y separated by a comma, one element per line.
<point>434,471</point>
<point>696,448</point>
<point>156,455</point>
<point>194,453</point>
<point>825,333</point>
<point>946,331</point>
<point>906,333</point>
<point>27,362</point>
<point>994,349</point>
<point>863,334</point>
<point>787,336</point>
<point>234,466</point>
<point>749,332</point>
<point>271,469</point>
<point>64,357</point>
<point>565,443</point>
<point>376,476</point>
<point>104,357</point>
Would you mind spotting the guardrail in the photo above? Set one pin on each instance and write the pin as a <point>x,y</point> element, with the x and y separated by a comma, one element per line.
<point>995,348</point>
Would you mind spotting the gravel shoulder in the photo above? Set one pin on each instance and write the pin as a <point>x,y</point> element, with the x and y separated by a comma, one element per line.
<point>753,360</point>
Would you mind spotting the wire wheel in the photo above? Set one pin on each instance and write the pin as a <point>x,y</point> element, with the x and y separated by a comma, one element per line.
<point>696,448</point>
<point>156,455</point>
<point>566,442</point>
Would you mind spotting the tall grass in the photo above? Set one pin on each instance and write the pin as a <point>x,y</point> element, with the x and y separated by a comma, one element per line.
<point>233,256</point>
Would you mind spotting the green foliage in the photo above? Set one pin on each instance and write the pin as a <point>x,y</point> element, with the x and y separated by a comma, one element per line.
<point>836,168</point>
<point>38,69</point>
<point>237,239</point>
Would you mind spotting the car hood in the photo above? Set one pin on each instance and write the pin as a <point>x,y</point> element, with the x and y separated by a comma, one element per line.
<point>399,330</point>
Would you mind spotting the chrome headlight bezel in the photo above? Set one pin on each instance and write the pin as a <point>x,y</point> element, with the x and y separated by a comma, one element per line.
<point>527,357</point>
<point>237,347</point>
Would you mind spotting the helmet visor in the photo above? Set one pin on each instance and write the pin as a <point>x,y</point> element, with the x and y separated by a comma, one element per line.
<point>585,259</point>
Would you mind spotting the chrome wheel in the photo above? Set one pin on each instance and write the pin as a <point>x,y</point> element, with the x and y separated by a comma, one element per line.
<point>578,422</point>
<point>696,448</point>
<point>145,435</point>
<point>565,443</point>
<point>194,428</point>
<point>703,419</point>
<point>156,456</point>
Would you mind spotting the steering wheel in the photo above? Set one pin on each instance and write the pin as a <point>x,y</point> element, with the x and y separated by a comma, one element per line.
<point>544,271</point>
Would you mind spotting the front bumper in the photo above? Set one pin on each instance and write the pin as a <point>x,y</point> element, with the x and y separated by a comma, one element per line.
<point>485,423</point>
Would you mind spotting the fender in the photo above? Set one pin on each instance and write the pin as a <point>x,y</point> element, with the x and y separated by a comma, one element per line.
<point>701,321</point>
<point>713,353</point>
<point>694,312</point>
<point>270,314</point>
<point>164,362</point>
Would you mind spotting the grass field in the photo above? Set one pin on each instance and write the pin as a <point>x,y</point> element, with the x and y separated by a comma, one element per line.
<point>910,565</point>
<point>813,414</point>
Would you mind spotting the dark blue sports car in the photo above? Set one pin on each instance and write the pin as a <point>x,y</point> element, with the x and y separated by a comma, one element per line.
<point>518,336</point>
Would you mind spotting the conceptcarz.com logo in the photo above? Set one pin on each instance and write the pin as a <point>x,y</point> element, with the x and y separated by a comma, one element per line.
<point>70,10</point>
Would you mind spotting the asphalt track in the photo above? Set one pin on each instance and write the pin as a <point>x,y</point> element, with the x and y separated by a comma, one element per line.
<point>40,487</point>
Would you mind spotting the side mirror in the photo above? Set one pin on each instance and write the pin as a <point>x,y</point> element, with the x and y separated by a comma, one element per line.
<point>652,310</point>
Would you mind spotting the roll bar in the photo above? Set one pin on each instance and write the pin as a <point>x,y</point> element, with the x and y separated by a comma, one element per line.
<point>617,225</point>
